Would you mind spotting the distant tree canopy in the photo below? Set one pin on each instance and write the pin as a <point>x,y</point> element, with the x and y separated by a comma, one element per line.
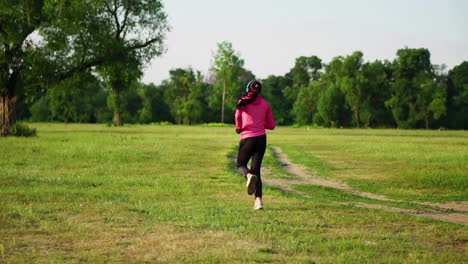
<point>457,97</point>
<point>227,67</point>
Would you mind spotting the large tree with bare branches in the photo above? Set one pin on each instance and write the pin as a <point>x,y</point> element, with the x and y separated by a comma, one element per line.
<point>43,42</point>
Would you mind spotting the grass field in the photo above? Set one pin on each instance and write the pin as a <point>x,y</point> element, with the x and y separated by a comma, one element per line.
<point>422,165</point>
<point>169,194</point>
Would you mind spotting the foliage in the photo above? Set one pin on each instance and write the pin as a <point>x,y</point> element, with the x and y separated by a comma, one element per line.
<point>119,77</point>
<point>217,125</point>
<point>162,123</point>
<point>22,130</point>
<point>40,110</point>
<point>273,92</point>
<point>137,28</point>
<point>71,100</point>
<point>43,42</point>
<point>305,70</point>
<point>413,89</point>
<point>298,93</point>
<point>185,92</point>
<point>305,106</point>
<point>80,98</point>
<point>60,58</point>
<point>377,77</point>
<point>227,66</point>
<point>353,84</point>
<point>154,107</point>
<point>18,20</point>
<point>331,107</point>
<point>409,92</point>
<point>457,97</point>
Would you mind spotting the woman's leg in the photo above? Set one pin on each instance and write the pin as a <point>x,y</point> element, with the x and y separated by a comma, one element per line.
<point>257,158</point>
<point>246,150</point>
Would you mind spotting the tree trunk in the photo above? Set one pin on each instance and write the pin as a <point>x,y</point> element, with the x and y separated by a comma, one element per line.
<point>222,104</point>
<point>427,121</point>
<point>117,105</point>
<point>117,119</point>
<point>7,114</point>
<point>358,117</point>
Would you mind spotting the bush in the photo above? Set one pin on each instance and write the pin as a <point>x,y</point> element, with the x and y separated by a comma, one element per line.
<point>22,130</point>
<point>162,123</point>
<point>217,125</point>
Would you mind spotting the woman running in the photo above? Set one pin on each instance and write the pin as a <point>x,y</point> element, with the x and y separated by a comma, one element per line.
<point>253,116</point>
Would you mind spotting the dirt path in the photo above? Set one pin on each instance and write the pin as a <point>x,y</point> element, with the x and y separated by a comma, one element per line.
<point>455,212</point>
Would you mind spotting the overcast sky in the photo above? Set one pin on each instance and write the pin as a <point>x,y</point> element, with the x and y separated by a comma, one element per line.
<point>271,34</point>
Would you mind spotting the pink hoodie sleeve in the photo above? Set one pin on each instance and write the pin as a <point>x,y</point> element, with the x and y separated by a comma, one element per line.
<point>270,120</point>
<point>238,118</point>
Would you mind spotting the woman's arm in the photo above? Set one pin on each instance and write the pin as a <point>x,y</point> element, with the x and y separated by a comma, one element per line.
<point>238,119</point>
<point>270,120</point>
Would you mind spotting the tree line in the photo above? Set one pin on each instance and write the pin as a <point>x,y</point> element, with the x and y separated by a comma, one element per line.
<point>408,92</point>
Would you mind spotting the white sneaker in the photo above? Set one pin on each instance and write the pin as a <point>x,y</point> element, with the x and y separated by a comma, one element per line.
<point>258,204</point>
<point>251,181</point>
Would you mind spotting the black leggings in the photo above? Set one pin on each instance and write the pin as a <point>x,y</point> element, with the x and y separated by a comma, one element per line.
<point>254,148</point>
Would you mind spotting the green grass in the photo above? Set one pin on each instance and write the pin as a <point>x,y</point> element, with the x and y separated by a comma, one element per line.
<point>169,194</point>
<point>402,164</point>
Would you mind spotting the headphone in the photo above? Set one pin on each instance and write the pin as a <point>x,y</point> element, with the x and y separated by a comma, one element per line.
<point>247,89</point>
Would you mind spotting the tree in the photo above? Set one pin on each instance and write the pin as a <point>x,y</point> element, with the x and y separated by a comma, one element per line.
<point>273,92</point>
<point>179,90</point>
<point>377,77</point>
<point>227,67</point>
<point>71,37</point>
<point>135,30</point>
<point>305,106</point>
<point>430,101</point>
<point>72,99</point>
<point>18,20</point>
<point>154,107</point>
<point>353,84</point>
<point>80,98</point>
<point>245,76</point>
<point>413,90</point>
<point>305,70</point>
<point>40,110</point>
<point>185,93</point>
<point>119,77</point>
<point>457,97</point>
<point>331,106</point>
<point>195,105</point>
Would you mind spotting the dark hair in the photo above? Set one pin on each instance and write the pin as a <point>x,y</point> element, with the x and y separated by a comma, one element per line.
<point>254,87</point>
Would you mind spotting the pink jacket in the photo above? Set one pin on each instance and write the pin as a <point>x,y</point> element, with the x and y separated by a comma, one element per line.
<point>254,118</point>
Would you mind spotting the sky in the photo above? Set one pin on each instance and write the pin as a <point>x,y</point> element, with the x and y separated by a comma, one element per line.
<point>270,34</point>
